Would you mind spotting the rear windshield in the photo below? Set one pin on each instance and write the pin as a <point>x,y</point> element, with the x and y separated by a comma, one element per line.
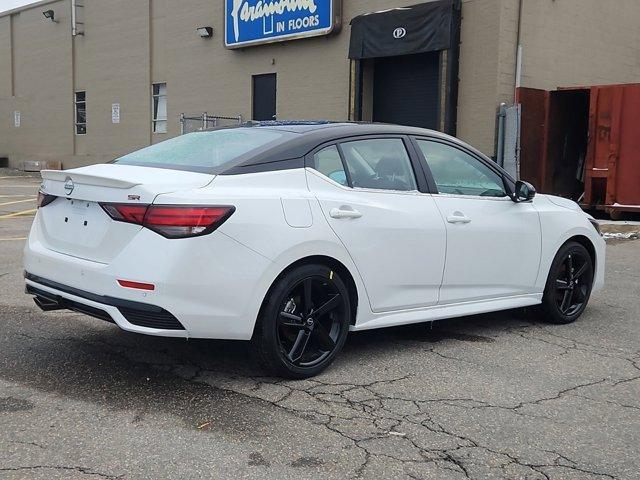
<point>205,152</point>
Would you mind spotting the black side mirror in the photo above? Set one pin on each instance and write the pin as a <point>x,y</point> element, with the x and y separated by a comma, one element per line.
<point>524,192</point>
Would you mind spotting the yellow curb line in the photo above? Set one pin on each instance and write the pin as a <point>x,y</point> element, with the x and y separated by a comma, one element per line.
<point>18,201</point>
<point>16,214</point>
<point>9,239</point>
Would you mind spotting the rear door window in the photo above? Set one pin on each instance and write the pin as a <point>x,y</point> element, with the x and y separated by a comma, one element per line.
<point>379,163</point>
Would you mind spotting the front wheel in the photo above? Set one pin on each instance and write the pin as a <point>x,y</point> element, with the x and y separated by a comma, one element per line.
<point>304,322</point>
<point>569,284</point>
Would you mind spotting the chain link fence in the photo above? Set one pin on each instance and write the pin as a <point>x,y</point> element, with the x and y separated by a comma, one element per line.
<point>189,123</point>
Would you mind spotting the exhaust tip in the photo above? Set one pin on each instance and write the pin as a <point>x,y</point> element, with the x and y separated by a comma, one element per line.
<point>47,304</point>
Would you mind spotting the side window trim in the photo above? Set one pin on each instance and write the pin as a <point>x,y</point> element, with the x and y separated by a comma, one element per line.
<point>430,183</point>
<point>347,172</point>
<point>431,180</point>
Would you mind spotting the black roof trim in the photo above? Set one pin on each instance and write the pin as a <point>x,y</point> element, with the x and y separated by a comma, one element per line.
<point>287,164</point>
<point>293,148</point>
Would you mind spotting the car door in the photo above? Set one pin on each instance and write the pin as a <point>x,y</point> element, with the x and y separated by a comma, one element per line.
<point>493,243</point>
<point>371,198</point>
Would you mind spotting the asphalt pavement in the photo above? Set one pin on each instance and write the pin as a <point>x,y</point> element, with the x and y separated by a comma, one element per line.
<point>497,396</point>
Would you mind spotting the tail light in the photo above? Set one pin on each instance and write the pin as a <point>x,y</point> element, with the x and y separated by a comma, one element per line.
<point>171,221</point>
<point>124,212</point>
<point>44,199</point>
<point>179,221</point>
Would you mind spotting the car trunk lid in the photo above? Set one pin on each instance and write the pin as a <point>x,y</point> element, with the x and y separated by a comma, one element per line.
<point>75,223</point>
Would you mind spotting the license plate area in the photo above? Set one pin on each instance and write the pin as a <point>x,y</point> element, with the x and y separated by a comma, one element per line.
<point>75,225</point>
<point>81,220</point>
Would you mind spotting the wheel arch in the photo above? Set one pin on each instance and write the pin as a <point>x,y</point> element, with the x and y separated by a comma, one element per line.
<point>586,243</point>
<point>344,273</point>
<point>577,238</point>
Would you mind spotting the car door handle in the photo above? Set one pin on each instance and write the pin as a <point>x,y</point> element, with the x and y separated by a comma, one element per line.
<point>344,212</point>
<point>458,217</point>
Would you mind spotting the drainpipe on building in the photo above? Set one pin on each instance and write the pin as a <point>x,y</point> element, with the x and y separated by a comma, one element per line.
<point>501,131</point>
<point>518,70</point>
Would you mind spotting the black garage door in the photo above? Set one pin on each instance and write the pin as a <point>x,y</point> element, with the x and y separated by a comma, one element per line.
<point>406,90</point>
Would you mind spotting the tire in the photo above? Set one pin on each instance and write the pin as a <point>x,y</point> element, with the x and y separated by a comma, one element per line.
<point>303,324</point>
<point>568,286</point>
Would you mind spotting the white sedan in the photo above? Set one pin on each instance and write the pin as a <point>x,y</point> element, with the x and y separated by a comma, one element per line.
<point>292,234</point>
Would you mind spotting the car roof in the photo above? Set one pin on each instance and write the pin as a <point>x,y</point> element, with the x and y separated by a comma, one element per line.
<point>329,127</point>
<point>302,136</point>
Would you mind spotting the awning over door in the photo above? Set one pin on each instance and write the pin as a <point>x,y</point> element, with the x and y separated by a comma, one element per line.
<point>422,28</point>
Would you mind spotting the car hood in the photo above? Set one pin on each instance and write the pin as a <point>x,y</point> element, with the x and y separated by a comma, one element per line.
<point>563,202</point>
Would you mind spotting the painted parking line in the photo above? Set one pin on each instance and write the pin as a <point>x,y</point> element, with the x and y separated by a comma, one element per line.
<point>17,196</point>
<point>12,239</point>
<point>16,176</point>
<point>18,214</point>
<point>18,201</point>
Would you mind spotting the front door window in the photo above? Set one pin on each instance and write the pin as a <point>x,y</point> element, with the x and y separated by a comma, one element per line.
<point>458,173</point>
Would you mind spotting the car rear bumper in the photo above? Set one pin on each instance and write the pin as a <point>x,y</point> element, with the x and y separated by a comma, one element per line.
<point>204,287</point>
<point>50,295</point>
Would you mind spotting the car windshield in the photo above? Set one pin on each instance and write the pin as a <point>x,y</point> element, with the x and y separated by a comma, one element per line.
<point>205,152</point>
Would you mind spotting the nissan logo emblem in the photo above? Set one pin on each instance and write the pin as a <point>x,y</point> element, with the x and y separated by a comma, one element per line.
<point>399,32</point>
<point>68,186</point>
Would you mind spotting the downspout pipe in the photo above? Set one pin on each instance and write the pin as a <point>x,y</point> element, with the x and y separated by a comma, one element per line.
<point>518,69</point>
<point>501,132</point>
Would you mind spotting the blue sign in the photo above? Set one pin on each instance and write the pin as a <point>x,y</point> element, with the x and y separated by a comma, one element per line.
<point>251,22</point>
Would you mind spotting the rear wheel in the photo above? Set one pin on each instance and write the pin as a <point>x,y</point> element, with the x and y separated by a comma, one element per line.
<point>569,284</point>
<point>304,322</point>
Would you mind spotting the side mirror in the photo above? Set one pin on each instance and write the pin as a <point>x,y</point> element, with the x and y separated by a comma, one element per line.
<point>524,192</point>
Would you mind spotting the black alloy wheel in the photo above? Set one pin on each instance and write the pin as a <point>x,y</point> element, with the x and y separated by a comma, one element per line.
<point>569,284</point>
<point>304,323</point>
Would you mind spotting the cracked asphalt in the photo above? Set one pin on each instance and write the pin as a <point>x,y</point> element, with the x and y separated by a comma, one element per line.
<point>497,396</point>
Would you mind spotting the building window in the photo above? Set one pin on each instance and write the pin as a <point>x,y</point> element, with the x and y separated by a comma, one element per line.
<point>160,108</point>
<point>80,102</point>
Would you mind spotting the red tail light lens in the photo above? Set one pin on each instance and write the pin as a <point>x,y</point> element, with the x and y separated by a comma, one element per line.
<point>126,212</point>
<point>172,221</point>
<point>185,221</point>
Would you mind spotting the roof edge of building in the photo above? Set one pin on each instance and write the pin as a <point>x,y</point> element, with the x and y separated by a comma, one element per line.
<point>26,7</point>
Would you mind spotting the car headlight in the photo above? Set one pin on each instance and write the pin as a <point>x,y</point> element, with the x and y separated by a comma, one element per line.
<point>596,225</point>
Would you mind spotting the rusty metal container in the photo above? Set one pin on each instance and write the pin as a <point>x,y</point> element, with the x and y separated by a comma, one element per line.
<point>584,143</point>
<point>612,175</point>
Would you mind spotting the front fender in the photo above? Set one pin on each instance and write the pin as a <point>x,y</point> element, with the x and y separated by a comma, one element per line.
<point>559,225</point>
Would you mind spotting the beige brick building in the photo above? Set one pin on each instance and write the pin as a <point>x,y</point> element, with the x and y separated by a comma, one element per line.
<point>130,45</point>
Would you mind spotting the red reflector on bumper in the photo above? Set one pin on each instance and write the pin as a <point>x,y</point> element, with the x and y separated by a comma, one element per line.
<point>137,285</point>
